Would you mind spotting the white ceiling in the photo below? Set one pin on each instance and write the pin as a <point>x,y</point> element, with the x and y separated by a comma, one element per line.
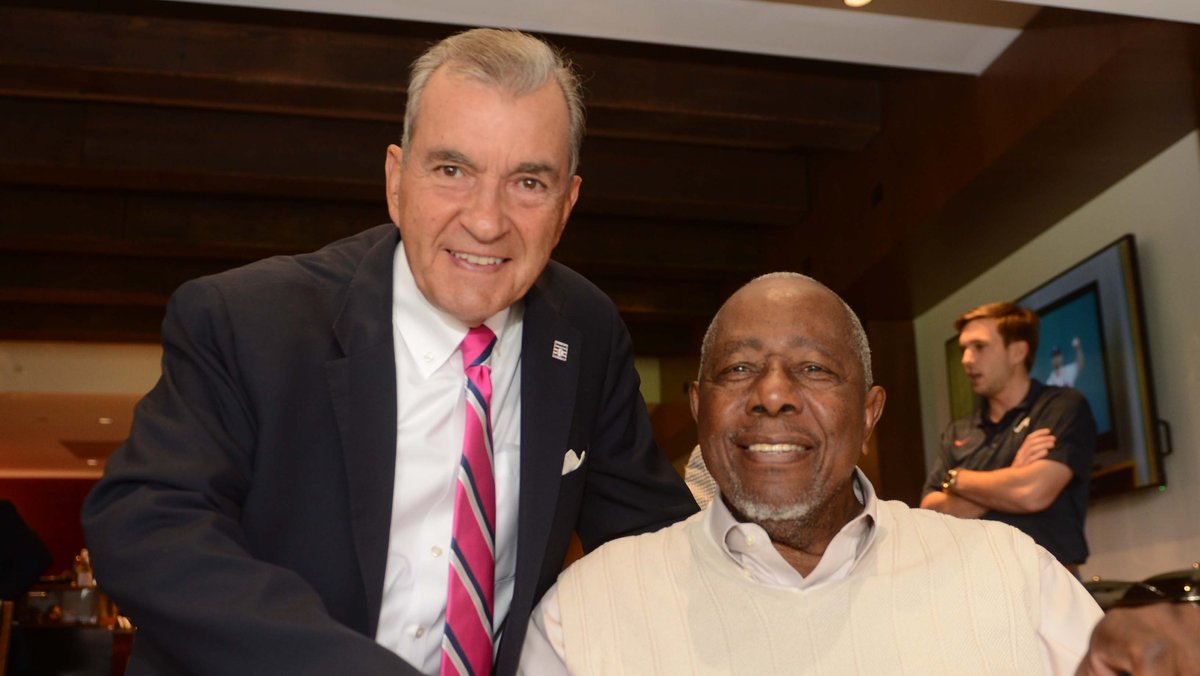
<point>962,36</point>
<point>55,393</point>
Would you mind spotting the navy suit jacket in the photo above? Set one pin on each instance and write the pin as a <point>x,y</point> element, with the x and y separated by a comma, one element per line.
<point>244,524</point>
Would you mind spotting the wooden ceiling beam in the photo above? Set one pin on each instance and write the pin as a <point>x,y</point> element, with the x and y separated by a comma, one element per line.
<point>49,220</point>
<point>34,273</point>
<point>118,323</point>
<point>680,181</point>
<point>660,249</point>
<point>356,69</point>
<point>34,277</point>
<point>108,145</point>
<point>85,296</point>
<point>149,143</point>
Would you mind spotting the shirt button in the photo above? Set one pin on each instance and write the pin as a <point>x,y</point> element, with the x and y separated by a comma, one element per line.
<point>428,357</point>
<point>436,551</point>
<point>750,540</point>
<point>419,632</point>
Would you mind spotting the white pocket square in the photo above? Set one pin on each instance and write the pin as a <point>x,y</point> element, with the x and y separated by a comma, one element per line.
<point>571,461</point>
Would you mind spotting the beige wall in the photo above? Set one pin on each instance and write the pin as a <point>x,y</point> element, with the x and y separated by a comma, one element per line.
<point>92,368</point>
<point>1146,533</point>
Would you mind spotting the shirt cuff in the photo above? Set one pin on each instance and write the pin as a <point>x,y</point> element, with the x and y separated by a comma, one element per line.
<point>543,652</point>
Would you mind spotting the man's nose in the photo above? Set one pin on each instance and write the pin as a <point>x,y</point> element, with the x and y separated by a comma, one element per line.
<point>775,392</point>
<point>483,217</point>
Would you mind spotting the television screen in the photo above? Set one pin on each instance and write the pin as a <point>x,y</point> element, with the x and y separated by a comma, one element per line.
<point>1071,352</point>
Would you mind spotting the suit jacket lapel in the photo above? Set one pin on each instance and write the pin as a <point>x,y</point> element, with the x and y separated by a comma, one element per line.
<point>548,389</point>
<point>362,387</point>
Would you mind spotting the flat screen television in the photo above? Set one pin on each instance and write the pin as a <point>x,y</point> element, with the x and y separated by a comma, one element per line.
<point>1093,338</point>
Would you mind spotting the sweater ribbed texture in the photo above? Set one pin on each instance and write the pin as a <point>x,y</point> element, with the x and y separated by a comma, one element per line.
<point>934,595</point>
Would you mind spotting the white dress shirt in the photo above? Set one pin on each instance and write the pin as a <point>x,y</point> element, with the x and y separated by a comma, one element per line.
<point>431,418</point>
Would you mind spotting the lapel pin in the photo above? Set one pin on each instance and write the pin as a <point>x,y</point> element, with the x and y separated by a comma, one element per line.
<point>559,351</point>
<point>1024,423</point>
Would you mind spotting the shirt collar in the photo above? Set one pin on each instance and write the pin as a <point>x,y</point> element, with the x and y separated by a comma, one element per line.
<point>748,545</point>
<point>1035,390</point>
<point>430,334</point>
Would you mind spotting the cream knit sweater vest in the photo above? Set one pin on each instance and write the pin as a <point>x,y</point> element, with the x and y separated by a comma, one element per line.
<point>934,595</point>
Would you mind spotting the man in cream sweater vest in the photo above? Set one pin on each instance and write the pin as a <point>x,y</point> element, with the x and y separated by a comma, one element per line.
<point>799,568</point>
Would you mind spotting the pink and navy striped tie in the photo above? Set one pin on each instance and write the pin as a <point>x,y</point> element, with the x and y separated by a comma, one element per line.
<point>467,643</point>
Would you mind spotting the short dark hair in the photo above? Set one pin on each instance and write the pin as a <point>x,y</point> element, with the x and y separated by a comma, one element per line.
<point>1012,321</point>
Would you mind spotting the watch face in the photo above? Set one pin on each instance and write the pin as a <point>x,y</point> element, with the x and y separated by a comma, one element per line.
<point>949,479</point>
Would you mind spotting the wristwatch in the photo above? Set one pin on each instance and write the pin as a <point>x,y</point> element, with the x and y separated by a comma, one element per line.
<point>950,479</point>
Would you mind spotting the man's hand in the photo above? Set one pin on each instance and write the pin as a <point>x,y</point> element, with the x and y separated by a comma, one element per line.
<point>1035,447</point>
<point>1153,640</point>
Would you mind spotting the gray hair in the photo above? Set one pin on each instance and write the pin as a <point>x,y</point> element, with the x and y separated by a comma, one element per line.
<point>514,61</point>
<point>858,337</point>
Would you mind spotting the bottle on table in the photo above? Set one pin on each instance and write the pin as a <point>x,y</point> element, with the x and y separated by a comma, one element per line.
<point>83,569</point>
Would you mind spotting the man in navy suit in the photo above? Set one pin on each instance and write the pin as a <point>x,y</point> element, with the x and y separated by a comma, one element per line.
<point>283,503</point>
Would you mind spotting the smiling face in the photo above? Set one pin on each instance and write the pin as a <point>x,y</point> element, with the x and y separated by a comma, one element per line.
<point>987,361</point>
<point>482,192</point>
<point>781,406</point>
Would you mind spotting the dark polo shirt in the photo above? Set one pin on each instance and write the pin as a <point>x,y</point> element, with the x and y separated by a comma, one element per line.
<point>976,443</point>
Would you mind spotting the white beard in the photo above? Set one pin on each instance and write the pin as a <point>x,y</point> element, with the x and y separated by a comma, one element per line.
<point>758,511</point>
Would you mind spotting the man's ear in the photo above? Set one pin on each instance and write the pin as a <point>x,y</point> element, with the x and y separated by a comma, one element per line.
<point>872,412</point>
<point>1017,351</point>
<point>573,194</point>
<point>568,205</point>
<point>393,169</point>
<point>694,398</point>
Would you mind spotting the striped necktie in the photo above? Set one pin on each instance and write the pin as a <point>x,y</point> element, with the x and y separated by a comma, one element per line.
<point>467,643</point>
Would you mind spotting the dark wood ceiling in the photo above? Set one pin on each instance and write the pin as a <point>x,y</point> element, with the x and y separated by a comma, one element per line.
<point>146,143</point>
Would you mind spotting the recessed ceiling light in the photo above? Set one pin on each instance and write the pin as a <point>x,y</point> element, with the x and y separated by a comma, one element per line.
<point>92,462</point>
<point>857,3</point>
<point>106,421</point>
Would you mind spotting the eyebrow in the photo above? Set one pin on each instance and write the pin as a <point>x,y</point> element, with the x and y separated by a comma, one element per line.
<point>752,343</point>
<point>448,155</point>
<point>736,345</point>
<point>456,157</point>
<point>537,169</point>
<point>799,341</point>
